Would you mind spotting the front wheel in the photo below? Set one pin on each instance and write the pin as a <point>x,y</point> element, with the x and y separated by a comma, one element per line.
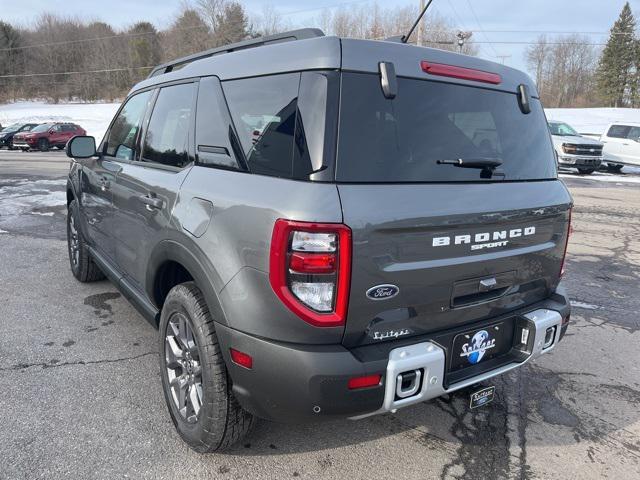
<point>43,145</point>
<point>612,167</point>
<point>82,264</point>
<point>586,171</point>
<point>196,385</point>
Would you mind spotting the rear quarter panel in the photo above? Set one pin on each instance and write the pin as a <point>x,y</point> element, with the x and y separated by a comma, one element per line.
<point>237,243</point>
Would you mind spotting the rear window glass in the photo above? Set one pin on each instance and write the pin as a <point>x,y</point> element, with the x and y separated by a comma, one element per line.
<point>401,140</point>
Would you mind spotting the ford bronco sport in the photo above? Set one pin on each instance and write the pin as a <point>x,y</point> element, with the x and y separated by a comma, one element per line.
<point>325,228</point>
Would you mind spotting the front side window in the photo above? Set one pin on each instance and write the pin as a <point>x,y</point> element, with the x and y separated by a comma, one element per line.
<point>167,138</point>
<point>264,113</point>
<point>634,133</point>
<point>121,139</point>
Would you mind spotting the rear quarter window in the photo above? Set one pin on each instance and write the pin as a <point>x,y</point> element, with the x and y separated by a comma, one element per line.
<point>401,140</point>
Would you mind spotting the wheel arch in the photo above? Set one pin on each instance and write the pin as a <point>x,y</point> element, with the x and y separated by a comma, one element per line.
<point>172,263</point>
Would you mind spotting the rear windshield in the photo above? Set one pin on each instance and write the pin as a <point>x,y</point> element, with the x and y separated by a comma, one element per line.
<point>401,140</point>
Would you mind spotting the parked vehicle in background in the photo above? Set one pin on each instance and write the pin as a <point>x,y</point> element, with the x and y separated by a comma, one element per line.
<point>7,133</point>
<point>621,145</point>
<point>575,150</point>
<point>48,135</point>
<point>320,233</point>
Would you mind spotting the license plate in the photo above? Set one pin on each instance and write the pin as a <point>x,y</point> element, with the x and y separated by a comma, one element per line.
<point>482,397</point>
<point>473,347</point>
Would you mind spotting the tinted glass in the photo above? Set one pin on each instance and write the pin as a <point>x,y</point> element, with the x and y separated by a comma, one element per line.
<point>167,137</point>
<point>215,138</point>
<point>264,113</point>
<point>561,129</point>
<point>401,140</point>
<point>121,138</point>
<point>619,131</point>
<point>634,133</point>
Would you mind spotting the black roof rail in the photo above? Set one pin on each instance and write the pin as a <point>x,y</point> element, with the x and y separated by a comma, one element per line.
<point>293,35</point>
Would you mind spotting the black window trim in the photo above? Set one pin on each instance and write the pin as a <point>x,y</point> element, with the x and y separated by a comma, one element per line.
<point>237,153</point>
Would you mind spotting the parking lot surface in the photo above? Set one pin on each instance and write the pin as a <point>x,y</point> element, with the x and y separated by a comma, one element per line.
<point>81,394</point>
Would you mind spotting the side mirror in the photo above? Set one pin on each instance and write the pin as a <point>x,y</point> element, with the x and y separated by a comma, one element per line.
<point>81,147</point>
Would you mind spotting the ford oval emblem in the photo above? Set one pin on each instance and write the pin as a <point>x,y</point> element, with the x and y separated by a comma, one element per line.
<point>382,292</point>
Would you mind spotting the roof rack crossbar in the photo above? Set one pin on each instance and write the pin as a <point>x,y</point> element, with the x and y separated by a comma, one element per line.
<point>293,35</point>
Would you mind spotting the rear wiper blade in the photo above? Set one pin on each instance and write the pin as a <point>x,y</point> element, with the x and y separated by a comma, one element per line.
<point>472,162</point>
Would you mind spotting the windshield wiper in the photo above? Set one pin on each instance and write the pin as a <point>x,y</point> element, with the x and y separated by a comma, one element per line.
<point>483,163</point>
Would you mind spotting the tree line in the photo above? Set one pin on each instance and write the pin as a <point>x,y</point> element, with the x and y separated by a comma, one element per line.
<point>60,58</point>
<point>570,71</point>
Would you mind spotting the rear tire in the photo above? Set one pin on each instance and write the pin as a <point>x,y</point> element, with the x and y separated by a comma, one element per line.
<point>43,145</point>
<point>196,385</point>
<point>83,266</point>
<point>586,171</point>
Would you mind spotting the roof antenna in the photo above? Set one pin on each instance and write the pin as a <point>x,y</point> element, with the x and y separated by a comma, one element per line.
<point>405,38</point>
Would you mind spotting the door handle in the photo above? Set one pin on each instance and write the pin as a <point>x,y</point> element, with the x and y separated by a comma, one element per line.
<point>151,202</point>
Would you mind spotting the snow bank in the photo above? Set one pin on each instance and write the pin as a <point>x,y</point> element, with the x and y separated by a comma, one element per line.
<point>93,117</point>
<point>593,120</point>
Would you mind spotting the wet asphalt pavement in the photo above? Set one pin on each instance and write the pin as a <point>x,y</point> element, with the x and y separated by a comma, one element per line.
<point>81,397</point>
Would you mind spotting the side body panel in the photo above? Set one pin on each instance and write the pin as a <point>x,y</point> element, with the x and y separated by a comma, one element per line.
<point>237,242</point>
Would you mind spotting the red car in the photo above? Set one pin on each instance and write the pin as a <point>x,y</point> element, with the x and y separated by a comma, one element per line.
<point>47,135</point>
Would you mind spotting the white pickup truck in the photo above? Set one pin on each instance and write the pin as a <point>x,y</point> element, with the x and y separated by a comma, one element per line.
<point>621,145</point>
<point>574,150</point>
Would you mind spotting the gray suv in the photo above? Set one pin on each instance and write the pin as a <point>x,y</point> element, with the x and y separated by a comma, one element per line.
<point>325,228</point>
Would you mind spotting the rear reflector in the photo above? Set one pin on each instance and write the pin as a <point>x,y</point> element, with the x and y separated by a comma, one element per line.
<point>566,245</point>
<point>462,73</point>
<point>364,382</point>
<point>240,358</point>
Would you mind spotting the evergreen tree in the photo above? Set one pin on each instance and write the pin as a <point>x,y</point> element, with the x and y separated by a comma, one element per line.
<point>232,25</point>
<point>615,76</point>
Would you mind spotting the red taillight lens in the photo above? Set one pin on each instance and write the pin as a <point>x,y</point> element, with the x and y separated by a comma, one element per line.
<point>312,262</point>
<point>364,382</point>
<point>564,255</point>
<point>310,270</point>
<point>462,73</point>
<point>240,358</point>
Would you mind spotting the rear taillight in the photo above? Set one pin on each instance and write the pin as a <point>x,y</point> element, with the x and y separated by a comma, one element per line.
<point>462,73</point>
<point>564,255</point>
<point>310,270</point>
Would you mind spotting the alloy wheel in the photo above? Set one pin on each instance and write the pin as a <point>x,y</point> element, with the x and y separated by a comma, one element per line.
<point>184,370</point>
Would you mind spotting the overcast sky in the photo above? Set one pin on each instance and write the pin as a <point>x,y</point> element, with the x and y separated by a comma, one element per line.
<point>594,17</point>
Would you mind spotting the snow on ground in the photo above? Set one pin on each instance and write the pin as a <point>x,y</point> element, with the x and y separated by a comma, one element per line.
<point>21,196</point>
<point>93,117</point>
<point>593,120</point>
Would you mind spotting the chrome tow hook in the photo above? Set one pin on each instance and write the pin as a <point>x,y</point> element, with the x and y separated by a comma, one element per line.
<point>408,383</point>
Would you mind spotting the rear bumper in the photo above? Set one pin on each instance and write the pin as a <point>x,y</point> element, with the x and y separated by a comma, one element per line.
<point>300,383</point>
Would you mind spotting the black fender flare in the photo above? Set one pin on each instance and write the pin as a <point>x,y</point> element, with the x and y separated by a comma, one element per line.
<point>190,256</point>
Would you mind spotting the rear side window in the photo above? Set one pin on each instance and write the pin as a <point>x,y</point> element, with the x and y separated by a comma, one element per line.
<point>401,140</point>
<point>618,131</point>
<point>264,114</point>
<point>121,139</point>
<point>167,138</point>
